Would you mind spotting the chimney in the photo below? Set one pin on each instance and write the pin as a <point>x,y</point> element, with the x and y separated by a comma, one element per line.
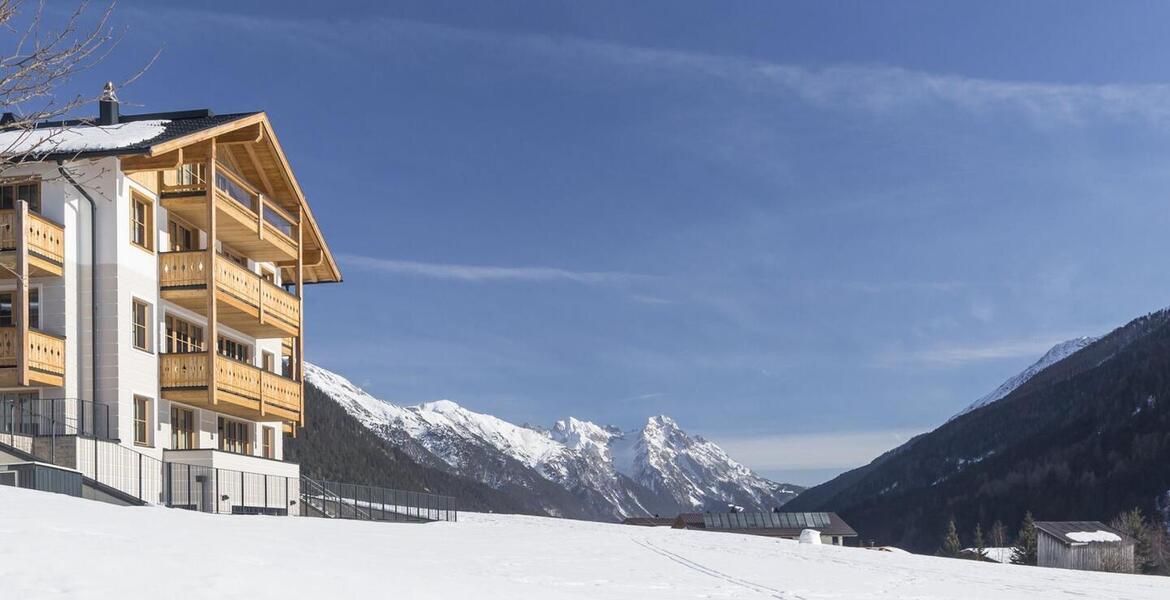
<point>108,106</point>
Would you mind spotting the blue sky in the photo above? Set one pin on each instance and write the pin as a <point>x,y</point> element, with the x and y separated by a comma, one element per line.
<point>805,230</point>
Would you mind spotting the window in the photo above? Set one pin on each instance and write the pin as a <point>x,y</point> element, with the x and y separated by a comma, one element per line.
<point>182,428</point>
<point>140,317</point>
<point>182,237</point>
<point>183,336</point>
<point>8,317</point>
<point>269,361</point>
<point>141,421</point>
<point>234,437</point>
<point>235,350</point>
<point>269,442</point>
<point>142,222</point>
<point>227,253</point>
<point>29,191</point>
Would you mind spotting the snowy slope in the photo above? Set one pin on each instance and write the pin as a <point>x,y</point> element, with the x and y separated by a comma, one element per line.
<point>1058,353</point>
<point>485,557</point>
<point>597,472</point>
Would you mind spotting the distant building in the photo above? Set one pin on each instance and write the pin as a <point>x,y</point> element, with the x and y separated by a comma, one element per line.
<point>649,521</point>
<point>785,525</point>
<point>1083,545</point>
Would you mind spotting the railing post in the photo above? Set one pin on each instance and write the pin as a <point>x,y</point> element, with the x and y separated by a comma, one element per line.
<point>140,476</point>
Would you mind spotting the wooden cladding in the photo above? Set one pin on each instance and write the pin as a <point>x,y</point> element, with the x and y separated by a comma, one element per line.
<point>46,357</point>
<point>45,240</point>
<point>241,389</point>
<point>245,218</point>
<point>249,303</point>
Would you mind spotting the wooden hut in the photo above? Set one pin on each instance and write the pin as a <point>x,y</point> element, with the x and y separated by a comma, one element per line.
<point>1083,545</point>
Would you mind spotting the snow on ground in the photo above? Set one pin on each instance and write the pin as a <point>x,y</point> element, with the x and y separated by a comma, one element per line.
<point>54,546</point>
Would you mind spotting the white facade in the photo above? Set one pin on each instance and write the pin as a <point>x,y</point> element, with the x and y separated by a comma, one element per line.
<point>127,272</point>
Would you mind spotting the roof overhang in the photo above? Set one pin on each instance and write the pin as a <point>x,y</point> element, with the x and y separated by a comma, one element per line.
<point>254,148</point>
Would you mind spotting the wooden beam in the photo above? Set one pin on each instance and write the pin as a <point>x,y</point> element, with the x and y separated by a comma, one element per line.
<point>206,134</point>
<point>135,164</point>
<point>212,313</point>
<point>252,134</point>
<point>268,189</point>
<point>300,275</point>
<point>20,302</point>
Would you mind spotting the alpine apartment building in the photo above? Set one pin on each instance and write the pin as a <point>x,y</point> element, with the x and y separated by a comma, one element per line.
<point>153,266</point>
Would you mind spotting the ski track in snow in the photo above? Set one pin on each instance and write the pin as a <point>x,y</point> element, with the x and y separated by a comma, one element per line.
<point>481,557</point>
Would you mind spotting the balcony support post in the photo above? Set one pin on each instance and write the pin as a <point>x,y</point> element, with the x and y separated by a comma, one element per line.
<point>212,286</point>
<point>20,302</point>
<point>300,348</point>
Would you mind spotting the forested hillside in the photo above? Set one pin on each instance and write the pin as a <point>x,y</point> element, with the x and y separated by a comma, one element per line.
<point>1085,439</point>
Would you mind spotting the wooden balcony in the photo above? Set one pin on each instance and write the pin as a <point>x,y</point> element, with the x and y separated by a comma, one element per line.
<point>45,241</point>
<point>46,358</point>
<point>245,220</point>
<point>241,390</point>
<point>246,302</point>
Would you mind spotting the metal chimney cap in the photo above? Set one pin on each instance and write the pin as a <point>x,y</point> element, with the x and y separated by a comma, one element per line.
<point>108,94</point>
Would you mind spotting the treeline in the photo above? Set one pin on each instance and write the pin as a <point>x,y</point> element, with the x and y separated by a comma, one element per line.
<point>1088,444</point>
<point>1151,542</point>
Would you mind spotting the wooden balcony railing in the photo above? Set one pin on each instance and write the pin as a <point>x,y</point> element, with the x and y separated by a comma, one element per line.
<point>241,389</point>
<point>46,357</point>
<point>46,242</point>
<point>273,311</point>
<point>249,219</point>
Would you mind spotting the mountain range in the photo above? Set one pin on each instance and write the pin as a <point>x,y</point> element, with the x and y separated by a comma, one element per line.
<point>574,469</point>
<point>1082,434</point>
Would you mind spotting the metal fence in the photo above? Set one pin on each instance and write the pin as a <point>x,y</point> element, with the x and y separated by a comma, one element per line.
<point>80,434</point>
<point>339,500</point>
<point>225,491</point>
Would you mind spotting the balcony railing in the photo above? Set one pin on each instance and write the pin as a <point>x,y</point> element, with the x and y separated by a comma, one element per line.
<point>249,215</point>
<point>273,310</point>
<point>46,241</point>
<point>46,356</point>
<point>252,391</point>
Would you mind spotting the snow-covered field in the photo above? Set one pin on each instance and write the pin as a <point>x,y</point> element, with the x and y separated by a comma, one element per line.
<point>53,546</point>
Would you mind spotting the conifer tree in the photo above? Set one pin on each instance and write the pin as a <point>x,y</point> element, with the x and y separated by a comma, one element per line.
<point>1024,551</point>
<point>952,547</point>
<point>980,547</point>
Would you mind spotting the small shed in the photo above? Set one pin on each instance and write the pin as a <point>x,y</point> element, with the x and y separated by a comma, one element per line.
<point>788,525</point>
<point>1083,545</point>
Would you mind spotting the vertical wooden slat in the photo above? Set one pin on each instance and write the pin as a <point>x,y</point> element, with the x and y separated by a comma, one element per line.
<point>212,313</point>
<point>20,302</point>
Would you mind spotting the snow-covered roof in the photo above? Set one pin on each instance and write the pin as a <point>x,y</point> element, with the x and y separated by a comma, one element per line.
<point>1082,532</point>
<point>135,134</point>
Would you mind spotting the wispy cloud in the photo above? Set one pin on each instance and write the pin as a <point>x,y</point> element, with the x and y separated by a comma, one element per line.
<point>955,355</point>
<point>835,450</point>
<point>483,273</point>
<point>877,88</point>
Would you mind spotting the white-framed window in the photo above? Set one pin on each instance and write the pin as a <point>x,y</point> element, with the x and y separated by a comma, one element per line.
<point>184,434</point>
<point>142,222</point>
<point>142,419</point>
<point>140,320</point>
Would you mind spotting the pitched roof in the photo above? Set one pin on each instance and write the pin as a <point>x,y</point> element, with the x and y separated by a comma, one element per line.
<point>133,134</point>
<point>648,521</point>
<point>780,524</point>
<point>1082,532</point>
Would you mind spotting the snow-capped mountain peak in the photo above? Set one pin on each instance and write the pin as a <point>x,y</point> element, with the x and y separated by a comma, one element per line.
<point>658,468</point>
<point>1056,354</point>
